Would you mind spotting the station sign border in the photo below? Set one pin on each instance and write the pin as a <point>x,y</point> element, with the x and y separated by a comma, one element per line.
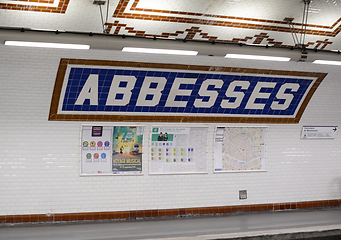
<point>55,115</point>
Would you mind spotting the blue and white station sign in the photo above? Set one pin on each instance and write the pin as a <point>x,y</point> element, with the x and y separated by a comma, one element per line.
<point>153,91</point>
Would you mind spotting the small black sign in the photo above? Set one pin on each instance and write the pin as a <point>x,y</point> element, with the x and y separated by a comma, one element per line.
<point>97,131</point>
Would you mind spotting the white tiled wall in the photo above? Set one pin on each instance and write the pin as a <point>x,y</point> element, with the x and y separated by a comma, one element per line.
<point>39,160</point>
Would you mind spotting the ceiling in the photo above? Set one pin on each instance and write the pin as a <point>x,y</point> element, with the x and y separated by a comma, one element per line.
<point>251,22</point>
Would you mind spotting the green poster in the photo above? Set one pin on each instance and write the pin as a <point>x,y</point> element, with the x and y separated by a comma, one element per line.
<point>127,149</point>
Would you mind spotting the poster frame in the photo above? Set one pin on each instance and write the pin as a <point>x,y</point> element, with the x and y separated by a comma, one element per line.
<point>144,143</point>
<point>207,126</point>
<point>240,126</point>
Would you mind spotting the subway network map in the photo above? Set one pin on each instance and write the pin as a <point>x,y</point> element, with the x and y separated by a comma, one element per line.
<point>239,149</point>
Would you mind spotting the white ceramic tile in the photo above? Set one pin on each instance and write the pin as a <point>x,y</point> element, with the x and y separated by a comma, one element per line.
<point>39,161</point>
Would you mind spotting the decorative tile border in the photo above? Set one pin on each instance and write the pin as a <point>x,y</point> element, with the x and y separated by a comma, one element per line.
<point>55,116</point>
<point>61,8</point>
<point>257,24</point>
<point>163,213</point>
<point>36,1</point>
<point>191,33</point>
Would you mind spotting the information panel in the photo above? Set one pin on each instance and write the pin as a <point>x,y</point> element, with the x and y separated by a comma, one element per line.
<point>96,150</point>
<point>321,132</point>
<point>111,149</point>
<point>178,150</point>
<point>239,149</point>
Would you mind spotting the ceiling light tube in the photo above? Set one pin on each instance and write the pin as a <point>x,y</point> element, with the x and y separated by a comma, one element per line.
<point>159,51</point>
<point>258,57</point>
<point>47,45</point>
<point>327,62</point>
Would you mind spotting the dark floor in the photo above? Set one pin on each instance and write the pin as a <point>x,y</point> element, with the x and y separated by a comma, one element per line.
<point>300,224</point>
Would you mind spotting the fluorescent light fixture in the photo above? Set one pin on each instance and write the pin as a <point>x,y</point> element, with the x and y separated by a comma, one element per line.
<point>159,51</point>
<point>257,57</point>
<point>46,45</point>
<point>327,62</point>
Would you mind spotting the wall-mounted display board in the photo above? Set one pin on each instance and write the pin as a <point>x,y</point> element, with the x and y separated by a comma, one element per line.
<point>111,149</point>
<point>321,132</point>
<point>239,149</point>
<point>96,149</point>
<point>178,150</point>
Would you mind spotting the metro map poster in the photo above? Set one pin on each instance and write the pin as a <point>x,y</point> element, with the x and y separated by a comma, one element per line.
<point>178,150</point>
<point>127,149</point>
<point>239,149</point>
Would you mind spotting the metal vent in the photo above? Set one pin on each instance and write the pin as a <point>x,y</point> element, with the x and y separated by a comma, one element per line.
<point>242,194</point>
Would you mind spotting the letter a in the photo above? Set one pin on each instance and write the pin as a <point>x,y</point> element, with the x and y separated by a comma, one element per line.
<point>89,91</point>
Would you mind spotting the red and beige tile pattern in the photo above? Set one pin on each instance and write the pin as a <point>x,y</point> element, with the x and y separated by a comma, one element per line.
<point>49,6</point>
<point>251,22</point>
<point>129,9</point>
<point>135,12</point>
<point>160,213</point>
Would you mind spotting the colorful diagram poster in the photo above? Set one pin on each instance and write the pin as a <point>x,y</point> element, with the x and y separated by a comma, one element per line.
<point>239,149</point>
<point>178,150</point>
<point>127,149</point>
<point>96,149</point>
